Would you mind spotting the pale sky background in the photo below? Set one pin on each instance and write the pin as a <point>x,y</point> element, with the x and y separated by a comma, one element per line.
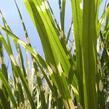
<point>9,10</point>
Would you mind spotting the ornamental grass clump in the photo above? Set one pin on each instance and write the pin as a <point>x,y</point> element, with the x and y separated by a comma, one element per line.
<point>63,78</point>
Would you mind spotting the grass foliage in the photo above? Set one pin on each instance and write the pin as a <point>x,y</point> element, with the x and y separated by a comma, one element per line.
<point>63,78</point>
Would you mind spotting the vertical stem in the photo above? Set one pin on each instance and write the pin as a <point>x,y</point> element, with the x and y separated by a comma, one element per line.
<point>89,54</point>
<point>69,104</point>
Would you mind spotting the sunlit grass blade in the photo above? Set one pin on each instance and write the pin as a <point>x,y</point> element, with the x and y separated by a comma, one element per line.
<point>101,21</point>
<point>62,14</point>
<point>89,40</point>
<point>42,14</point>
<point>77,23</point>
<point>6,26</point>
<point>47,34</point>
<point>23,24</point>
<point>54,18</point>
<point>107,16</point>
<point>69,32</point>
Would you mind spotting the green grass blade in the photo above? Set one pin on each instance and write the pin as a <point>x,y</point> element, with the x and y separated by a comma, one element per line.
<point>101,21</point>
<point>23,25</point>
<point>89,40</point>
<point>8,89</point>
<point>46,30</point>
<point>77,23</point>
<point>107,16</point>
<point>62,14</point>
